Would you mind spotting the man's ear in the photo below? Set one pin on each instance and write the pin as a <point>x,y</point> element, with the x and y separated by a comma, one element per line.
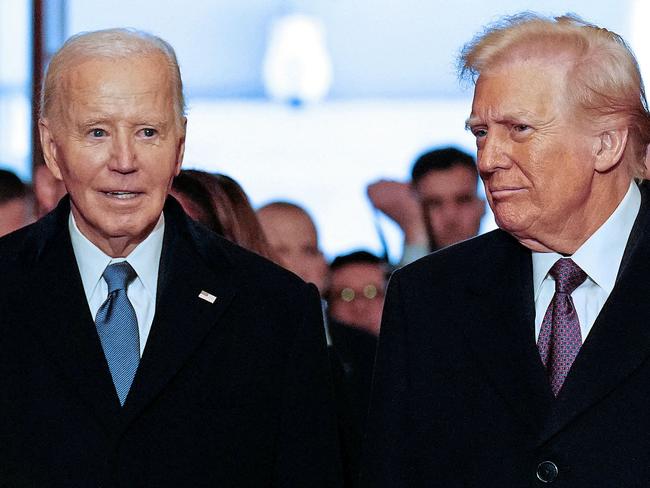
<point>610,148</point>
<point>180,153</point>
<point>50,150</point>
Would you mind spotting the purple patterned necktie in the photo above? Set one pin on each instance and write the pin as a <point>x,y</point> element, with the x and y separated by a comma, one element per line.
<point>559,338</point>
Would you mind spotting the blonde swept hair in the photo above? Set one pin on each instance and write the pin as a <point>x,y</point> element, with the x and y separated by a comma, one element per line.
<point>603,77</point>
<point>118,43</point>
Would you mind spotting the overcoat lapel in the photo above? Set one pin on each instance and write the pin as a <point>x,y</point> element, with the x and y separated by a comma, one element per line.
<point>182,318</point>
<point>59,317</point>
<point>619,341</point>
<point>502,335</point>
<point>55,302</point>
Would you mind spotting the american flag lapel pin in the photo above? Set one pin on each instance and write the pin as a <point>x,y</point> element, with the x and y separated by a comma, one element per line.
<point>208,297</point>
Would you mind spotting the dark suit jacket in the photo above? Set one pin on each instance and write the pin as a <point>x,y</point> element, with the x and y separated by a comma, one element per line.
<point>460,396</point>
<point>230,394</point>
<point>353,355</point>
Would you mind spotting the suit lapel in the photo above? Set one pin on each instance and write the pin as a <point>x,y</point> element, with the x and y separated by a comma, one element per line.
<point>60,319</point>
<point>502,337</point>
<point>619,341</point>
<point>182,318</point>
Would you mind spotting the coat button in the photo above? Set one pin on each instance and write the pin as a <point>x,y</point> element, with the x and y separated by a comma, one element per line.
<point>547,471</point>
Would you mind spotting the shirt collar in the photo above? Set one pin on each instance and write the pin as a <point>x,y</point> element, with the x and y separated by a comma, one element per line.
<point>92,261</point>
<point>600,256</point>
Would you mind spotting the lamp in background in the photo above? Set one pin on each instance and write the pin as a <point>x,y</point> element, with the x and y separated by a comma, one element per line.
<point>297,65</point>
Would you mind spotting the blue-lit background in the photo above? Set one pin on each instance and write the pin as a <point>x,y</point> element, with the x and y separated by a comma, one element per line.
<point>394,91</point>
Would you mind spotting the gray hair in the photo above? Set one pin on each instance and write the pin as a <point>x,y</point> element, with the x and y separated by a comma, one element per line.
<point>119,43</point>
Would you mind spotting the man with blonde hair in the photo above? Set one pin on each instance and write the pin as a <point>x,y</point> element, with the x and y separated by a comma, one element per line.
<point>139,349</point>
<point>521,357</point>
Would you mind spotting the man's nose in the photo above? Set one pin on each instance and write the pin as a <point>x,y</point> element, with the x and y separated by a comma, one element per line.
<point>123,157</point>
<point>493,155</point>
<point>449,212</point>
<point>361,305</point>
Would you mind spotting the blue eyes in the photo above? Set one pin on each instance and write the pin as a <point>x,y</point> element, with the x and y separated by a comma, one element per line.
<point>148,132</point>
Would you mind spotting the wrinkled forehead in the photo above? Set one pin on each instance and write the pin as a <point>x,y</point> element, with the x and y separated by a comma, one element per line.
<point>537,51</point>
<point>529,69</point>
<point>527,89</point>
<point>96,72</point>
<point>92,77</point>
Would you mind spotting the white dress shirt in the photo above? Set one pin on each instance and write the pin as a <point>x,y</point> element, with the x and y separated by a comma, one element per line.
<point>600,257</point>
<point>144,259</point>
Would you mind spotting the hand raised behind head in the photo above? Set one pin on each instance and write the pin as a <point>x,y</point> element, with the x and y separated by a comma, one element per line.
<point>397,200</point>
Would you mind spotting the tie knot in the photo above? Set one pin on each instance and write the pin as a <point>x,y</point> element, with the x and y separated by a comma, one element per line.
<point>567,275</point>
<point>118,276</point>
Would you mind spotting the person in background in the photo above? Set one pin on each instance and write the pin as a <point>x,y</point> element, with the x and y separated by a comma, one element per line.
<point>220,203</point>
<point>357,284</point>
<point>438,208</point>
<point>293,238</point>
<point>47,190</point>
<point>196,200</point>
<point>15,203</point>
<point>355,298</point>
<point>235,212</point>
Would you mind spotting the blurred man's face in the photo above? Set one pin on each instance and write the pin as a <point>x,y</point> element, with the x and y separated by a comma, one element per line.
<point>452,208</point>
<point>14,214</point>
<point>534,155</point>
<point>116,143</point>
<point>47,189</point>
<point>356,295</point>
<point>293,240</point>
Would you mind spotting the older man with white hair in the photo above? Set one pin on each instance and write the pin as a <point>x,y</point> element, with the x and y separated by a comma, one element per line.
<point>522,357</point>
<point>139,349</point>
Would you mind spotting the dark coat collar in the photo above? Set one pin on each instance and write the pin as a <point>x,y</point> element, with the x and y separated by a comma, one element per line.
<point>618,343</point>
<point>193,260</point>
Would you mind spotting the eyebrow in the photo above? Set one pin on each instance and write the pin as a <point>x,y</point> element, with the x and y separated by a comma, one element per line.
<point>161,124</point>
<point>102,119</point>
<point>469,121</point>
<point>153,123</point>
<point>508,117</point>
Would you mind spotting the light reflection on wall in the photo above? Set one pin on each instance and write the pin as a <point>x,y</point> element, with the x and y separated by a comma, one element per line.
<point>640,36</point>
<point>15,121</point>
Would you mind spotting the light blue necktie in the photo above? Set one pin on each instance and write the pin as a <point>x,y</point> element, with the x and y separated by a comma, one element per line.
<point>117,326</point>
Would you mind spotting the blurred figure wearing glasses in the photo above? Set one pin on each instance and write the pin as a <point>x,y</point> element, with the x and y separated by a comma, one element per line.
<point>356,291</point>
<point>355,296</point>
